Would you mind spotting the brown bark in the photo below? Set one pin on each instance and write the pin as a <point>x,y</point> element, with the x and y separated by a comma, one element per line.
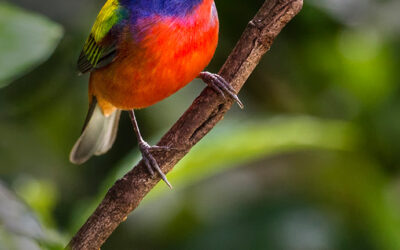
<point>205,112</point>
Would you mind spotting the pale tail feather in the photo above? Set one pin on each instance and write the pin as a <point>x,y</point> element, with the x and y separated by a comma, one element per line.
<point>98,135</point>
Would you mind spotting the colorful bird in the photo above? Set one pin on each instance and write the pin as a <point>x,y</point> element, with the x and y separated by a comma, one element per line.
<point>138,53</point>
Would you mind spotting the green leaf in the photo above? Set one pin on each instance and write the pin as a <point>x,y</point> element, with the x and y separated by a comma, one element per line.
<point>26,40</point>
<point>239,143</point>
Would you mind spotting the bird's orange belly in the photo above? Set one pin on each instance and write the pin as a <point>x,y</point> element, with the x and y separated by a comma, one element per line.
<point>148,73</point>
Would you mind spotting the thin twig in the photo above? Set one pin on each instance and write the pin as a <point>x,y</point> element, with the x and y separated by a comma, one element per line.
<point>205,112</point>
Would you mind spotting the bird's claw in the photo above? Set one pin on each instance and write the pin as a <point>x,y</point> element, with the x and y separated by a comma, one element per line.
<point>151,162</point>
<point>220,85</point>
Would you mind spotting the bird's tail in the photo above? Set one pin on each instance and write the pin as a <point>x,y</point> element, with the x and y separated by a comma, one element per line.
<point>98,134</point>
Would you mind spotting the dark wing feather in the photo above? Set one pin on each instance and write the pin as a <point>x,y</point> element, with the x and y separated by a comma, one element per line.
<point>95,55</point>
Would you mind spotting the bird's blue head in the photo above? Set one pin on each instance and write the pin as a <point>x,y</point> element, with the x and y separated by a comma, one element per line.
<point>162,7</point>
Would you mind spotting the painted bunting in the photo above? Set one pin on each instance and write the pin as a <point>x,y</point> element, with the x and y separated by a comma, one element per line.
<point>138,53</point>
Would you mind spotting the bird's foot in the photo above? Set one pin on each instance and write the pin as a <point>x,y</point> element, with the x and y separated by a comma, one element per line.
<point>220,85</point>
<point>151,162</point>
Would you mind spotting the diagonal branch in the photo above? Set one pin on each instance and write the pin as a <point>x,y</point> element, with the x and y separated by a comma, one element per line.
<point>205,112</point>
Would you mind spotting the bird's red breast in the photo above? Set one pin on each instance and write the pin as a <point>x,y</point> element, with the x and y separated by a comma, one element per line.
<point>171,53</point>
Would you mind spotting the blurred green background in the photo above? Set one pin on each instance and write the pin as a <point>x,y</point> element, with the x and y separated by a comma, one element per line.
<point>311,163</point>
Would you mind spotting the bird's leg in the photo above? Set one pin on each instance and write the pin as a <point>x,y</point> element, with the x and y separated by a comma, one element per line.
<point>220,85</point>
<point>146,150</point>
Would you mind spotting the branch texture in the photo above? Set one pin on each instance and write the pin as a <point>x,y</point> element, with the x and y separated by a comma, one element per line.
<point>205,112</point>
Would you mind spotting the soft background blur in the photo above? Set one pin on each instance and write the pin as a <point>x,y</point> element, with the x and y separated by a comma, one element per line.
<point>311,163</point>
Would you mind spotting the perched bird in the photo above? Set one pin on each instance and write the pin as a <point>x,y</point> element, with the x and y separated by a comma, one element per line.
<point>138,53</point>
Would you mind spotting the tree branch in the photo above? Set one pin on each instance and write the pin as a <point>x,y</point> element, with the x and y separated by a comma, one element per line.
<point>205,112</point>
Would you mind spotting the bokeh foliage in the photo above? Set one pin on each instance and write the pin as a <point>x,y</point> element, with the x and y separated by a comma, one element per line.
<point>26,40</point>
<point>311,163</point>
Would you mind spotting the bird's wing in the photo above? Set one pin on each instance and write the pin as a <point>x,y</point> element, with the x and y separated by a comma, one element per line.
<point>100,48</point>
